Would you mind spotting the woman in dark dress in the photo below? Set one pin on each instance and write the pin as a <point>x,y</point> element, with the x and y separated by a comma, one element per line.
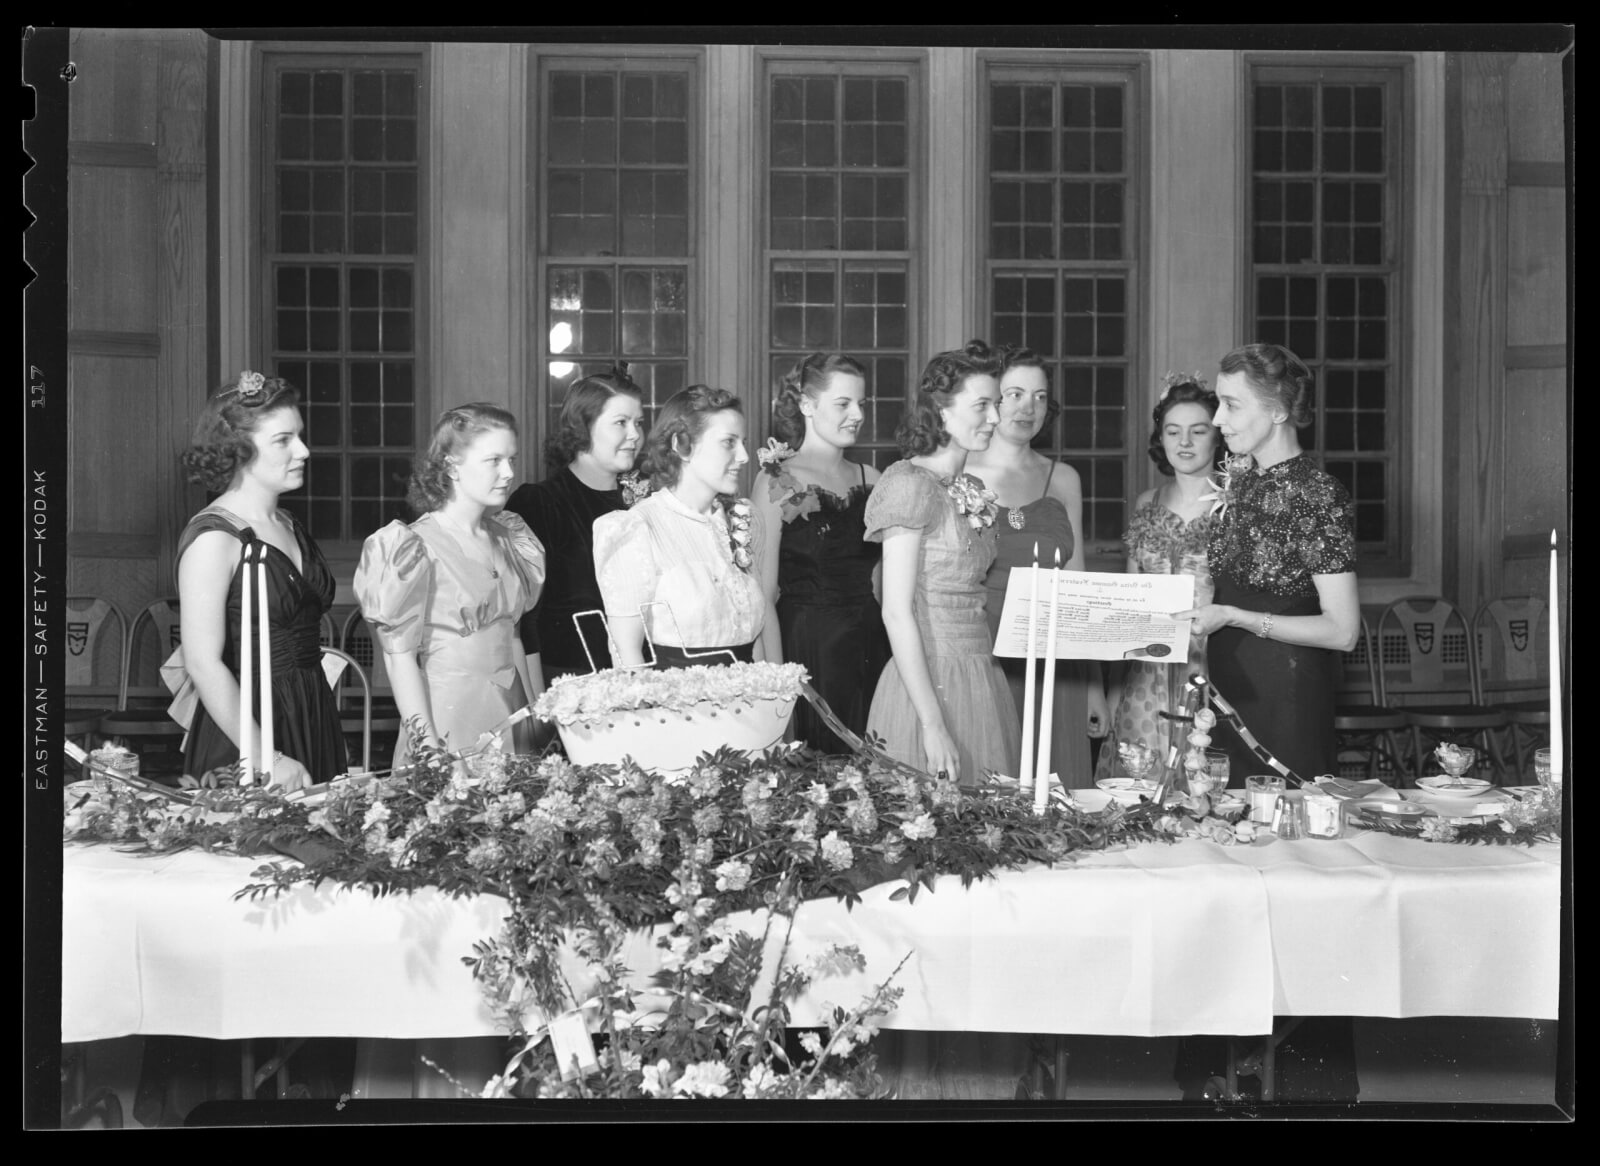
<point>1282,553</point>
<point>596,441</point>
<point>247,445</point>
<point>821,576</point>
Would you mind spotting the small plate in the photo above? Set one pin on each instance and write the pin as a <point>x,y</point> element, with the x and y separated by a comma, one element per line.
<point>1127,790</point>
<point>1393,808</point>
<point>1460,787</point>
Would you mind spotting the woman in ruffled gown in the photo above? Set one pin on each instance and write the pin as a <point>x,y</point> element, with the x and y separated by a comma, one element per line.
<point>443,596</point>
<point>821,568</point>
<point>942,703</point>
<point>1041,506</point>
<point>1167,536</point>
<point>681,564</point>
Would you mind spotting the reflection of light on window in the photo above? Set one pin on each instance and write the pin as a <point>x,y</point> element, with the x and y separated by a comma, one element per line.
<point>560,341</point>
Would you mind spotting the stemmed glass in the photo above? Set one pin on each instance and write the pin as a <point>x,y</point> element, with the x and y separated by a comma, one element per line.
<point>1455,760</point>
<point>1137,759</point>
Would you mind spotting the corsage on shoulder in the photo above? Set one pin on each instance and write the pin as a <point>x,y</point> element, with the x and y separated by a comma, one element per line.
<point>1226,481</point>
<point>738,515</point>
<point>973,499</point>
<point>783,489</point>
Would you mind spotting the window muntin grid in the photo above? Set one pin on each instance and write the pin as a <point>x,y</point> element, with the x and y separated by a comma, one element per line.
<point>1325,259</point>
<point>1062,263</point>
<point>838,258</point>
<point>343,233</point>
<point>615,280</point>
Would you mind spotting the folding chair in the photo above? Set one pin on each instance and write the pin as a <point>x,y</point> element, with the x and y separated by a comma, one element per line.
<point>97,644</point>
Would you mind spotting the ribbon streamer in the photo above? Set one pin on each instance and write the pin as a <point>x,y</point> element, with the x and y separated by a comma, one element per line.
<point>1230,715</point>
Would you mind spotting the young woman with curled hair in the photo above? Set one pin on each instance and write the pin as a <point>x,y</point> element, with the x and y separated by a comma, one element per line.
<point>443,594</point>
<point>681,564</point>
<point>1167,535</point>
<point>819,569</point>
<point>592,451</point>
<point>247,446</point>
<point>942,703</point>
<point>1041,506</point>
<point>1283,557</point>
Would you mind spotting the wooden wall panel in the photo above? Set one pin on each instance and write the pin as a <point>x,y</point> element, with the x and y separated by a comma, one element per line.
<point>1534,123</point>
<point>114,97</point>
<point>116,442</point>
<point>1535,442</point>
<point>112,262</point>
<point>1536,265</point>
<point>470,217</point>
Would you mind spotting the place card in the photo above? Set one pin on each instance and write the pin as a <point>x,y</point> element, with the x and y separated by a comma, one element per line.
<point>569,1037</point>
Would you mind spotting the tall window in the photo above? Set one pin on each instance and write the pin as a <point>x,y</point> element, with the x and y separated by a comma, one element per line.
<point>1063,261</point>
<point>617,192</point>
<point>1326,264</point>
<point>342,225</point>
<point>840,204</point>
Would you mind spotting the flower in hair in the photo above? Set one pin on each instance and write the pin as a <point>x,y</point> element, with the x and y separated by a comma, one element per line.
<point>251,388</point>
<point>1173,379</point>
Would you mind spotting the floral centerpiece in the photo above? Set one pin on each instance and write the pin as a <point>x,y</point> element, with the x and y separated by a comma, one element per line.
<point>671,716</point>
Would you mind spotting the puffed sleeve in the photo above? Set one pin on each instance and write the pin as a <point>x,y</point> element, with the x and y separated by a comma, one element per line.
<point>529,501</point>
<point>759,534</point>
<point>526,551</point>
<point>903,497</point>
<point>394,585</point>
<point>624,565</point>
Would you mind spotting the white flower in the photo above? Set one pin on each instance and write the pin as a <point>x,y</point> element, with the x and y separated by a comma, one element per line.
<point>377,813</point>
<point>774,453</point>
<point>812,1043</point>
<point>759,1078</point>
<point>656,1080</point>
<point>919,828</point>
<point>836,851</point>
<point>703,1079</point>
<point>733,875</point>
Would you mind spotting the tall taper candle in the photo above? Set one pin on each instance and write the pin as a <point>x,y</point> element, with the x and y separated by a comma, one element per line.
<point>1030,682</point>
<point>265,649</point>
<point>1047,698</point>
<point>247,717</point>
<point>1555,663</point>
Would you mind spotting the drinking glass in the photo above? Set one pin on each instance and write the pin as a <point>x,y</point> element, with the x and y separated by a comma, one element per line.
<point>1217,766</point>
<point>1549,778</point>
<point>1262,791</point>
<point>1455,759</point>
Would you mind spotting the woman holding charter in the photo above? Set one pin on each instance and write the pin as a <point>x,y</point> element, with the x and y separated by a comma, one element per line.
<point>942,703</point>
<point>444,594</point>
<point>1282,553</point>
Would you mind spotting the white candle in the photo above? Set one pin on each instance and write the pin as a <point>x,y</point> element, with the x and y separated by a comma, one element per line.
<point>267,749</point>
<point>1555,663</point>
<point>1047,702</point>
<point>1029,682</point>
<point>246,677</point>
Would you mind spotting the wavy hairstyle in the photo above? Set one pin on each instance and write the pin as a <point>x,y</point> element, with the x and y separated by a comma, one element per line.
<point>221,444</point>
<point>810,378</point>
<point>1278,376</point>
<point>680,423</point>
<point>585,401</point>
<point>921,430</point>
<point>430,486</point>
<point>1184,392</point>
<point>1018,356</point>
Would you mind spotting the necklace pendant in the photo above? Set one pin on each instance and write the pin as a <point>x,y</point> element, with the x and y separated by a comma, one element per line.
<point>1015,517</point>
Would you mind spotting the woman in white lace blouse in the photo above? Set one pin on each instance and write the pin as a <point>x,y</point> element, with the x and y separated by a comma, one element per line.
<point>681,563</point>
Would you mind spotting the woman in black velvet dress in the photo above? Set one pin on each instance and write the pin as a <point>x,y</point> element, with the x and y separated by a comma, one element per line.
<point>822,573</point>
<point>591,453</point>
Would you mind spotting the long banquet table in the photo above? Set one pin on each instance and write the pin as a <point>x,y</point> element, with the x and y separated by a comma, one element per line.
<point>1155,940</point>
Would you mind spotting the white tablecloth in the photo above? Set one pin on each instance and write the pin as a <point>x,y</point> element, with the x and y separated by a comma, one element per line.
<point>1152,941</point>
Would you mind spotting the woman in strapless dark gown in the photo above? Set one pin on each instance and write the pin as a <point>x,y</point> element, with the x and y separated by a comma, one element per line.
<point>1041,503</point>
<point>822,572</point>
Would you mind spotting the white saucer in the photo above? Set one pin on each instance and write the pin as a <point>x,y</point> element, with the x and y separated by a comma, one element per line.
<point>1127,790</point>
<point>1455,787</point>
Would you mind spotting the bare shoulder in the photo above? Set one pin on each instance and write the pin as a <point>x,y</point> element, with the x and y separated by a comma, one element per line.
<point>871,471</point>
<point>210,551</point>
<point>1065,482</point>
<point>1145,499</point>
